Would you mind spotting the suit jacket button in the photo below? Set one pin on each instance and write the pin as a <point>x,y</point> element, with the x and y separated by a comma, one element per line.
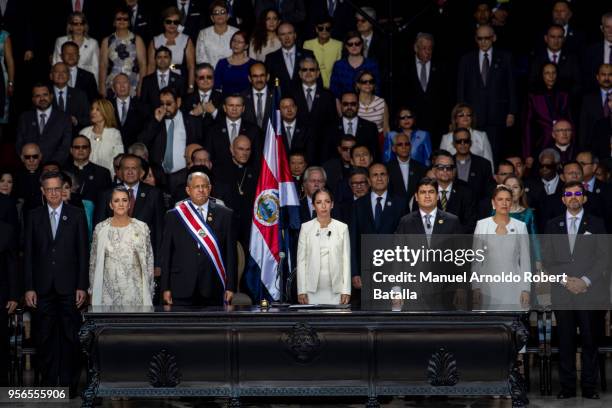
<point>52,262</point>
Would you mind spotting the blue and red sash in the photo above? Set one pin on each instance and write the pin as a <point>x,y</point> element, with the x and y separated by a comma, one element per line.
<point>203,234</point>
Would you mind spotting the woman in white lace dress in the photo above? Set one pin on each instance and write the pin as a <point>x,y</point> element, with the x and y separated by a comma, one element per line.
<point>121,260</point>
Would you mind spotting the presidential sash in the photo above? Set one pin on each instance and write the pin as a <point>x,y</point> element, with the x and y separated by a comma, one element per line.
<point>203,234</point>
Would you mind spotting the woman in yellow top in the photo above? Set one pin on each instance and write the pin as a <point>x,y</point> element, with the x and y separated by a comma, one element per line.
<point>326,50</point>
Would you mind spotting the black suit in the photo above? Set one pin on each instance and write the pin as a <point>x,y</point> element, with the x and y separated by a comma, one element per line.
<point>592,111</point>
<point>250,107</point>
<point>27,187</point>
<point>336,172</point>
<point>10,289</point>
<point>186,271</point>
<point>93,180</point>
<point>86,82</point>
<point>593,57</point>
<point>413,224</point>
<point>275,63</point>
<point>154,136</point>
<point>148,208</point>
<point>362,222</point>
<point>318,120</point>
<point>8,213</point>
<point>190,101</point>
<point>137,118</point>
<point>76,105</point>
<point>601,138</point>
<point>493,101</point>
<point>142,25</point>
<point>299,140</point>
<point>365,134</point>
<point>55,268</point>
<point>149,92</point>
<point>54,142</point>
<point>588,259</point>
<point>416,171</point>
<point>479,177</point>
<point>461,204</point>
<point>217,142</point>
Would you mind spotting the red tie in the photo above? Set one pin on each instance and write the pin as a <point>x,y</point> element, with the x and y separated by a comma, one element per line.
<point>77,5</point>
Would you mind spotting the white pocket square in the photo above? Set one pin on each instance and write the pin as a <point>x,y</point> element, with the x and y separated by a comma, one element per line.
<point>587,233</point>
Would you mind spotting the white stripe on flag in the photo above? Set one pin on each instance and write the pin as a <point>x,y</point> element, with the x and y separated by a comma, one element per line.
<point>267,264</point>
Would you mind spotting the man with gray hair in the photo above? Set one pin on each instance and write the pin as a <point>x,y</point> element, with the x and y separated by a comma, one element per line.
<point>140,150</point>
<point>314,179</point>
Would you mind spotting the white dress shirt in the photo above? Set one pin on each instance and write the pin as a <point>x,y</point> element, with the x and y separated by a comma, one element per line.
<point>433,214</point>
<point>551,185</point>
<point>345,122</point>
<point>166,78</point>
<point>64,91</point>
<point>448,190</point>
<point>134,189</point>
<point>47,113</point>
<point>264,95</point>
<point>312,93</point>
<point>551,54</point>
<point>292,124</point>
<point>418,68</point>
<point>204,208</point>
<point>367,43</point>
<point>89,55</point>
<point>481,58</point>
<point>228,123</point>
<point>57,210</point>
<point>405,170</point>
<point>179,142</point>
<point>604,95</point>
<point>374,196</point>
<point>290,65</point>
<point>120,106</point>
<point>73,71</point>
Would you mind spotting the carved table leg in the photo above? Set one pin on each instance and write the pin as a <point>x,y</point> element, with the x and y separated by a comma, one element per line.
<point>372,403</point>
<point>234,402</point>
<point>86,337</point>
<point>518,388</point>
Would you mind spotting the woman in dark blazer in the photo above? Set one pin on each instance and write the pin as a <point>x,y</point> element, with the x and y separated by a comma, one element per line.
<point>545,105</point>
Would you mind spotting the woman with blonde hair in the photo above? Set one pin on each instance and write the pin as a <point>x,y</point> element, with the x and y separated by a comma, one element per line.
<point>77,31</point>
<point>105,139</point>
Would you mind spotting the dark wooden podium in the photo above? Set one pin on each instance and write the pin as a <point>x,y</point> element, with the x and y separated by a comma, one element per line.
<point>238,352</point>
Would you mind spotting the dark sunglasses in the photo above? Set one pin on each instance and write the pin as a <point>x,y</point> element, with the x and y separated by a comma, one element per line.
<point>346,148</point>
<point>324,28</point>
<point>80,147</point>
<point>463,115</point>
<point>77,23</point>
<point>366,81</point>
<point>349,103</point>
<point>447,167</point>
<point>172,22</point>
<point>31,156</point>
<point>404,117</point>
<point>463,141</point>
<point>354,43</point>
<point>573,194</point>
<point>202,77</point>
<point>308,70</point>
<point>219,13</point>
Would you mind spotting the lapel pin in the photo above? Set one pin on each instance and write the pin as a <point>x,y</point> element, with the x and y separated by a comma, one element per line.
<point>249,175</point>
<point>224,130</point>
<point>526,189</point>
<point>561,224</point>
<point>64,218</point>
<point>142,195</point>
<point>597,191</point>
<point>440,221</point>
<point>91,177</point>
<point>473,174</point>
<point>389,203</point>
<point>209,219</point>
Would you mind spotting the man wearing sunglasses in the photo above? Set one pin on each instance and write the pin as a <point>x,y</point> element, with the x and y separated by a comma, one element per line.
<point>93,179</point>
<point>582,256</point>
<point>365,132</point>
<point>27,180</point>
<point>404,174</point>
<point>204,103</point>
<point>473,169</point>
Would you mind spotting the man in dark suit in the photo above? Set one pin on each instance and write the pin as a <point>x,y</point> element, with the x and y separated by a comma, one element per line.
<point>220,135</point>
<point>575,39</point>
<point>339,168</point>
<point>314,179</point>
<point>583,258</point>
<point>294,133</point>
<point>10,291</point>
<point>189,277</point>
<point>56,264</point>
<point>365,132</point>
<point>146,202</point>
<point>426,88</point>
<point>49,128</point>
<point>93,179</point>
<point>259,98</point>
<point>169,132</point>
<point>594,106</point>
<point>140,19</point>
<point>316,107</point>
<point>473,169</point>
<point>69,100</point>
<point>596,54</point>
<point>568,69</point>
<point>404,174</point>
<point>376,213</point>
<point>283,64</point>
<point>375,45</point>
<point>27,179</point>
<point>163,77</point>
<point>206,102</point>
<point>486,81</point>
<point>455,196</point>
<point>131,114</point>
<point>79,78</point>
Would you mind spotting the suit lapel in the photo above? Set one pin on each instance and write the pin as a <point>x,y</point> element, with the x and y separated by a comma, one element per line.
<point>61,223</point>
<point>140,199</point>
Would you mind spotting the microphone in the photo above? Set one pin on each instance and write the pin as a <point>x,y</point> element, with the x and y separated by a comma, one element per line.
<point>319,234</point>
<point>328,234</point>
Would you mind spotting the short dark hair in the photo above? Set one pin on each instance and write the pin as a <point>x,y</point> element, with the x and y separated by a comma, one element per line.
<point>441,152</point>
<point>504,162</point>
<point>163,49</point>
<point>169,91</point>
<point>346,138</point>
<point>51,163</point>
<point>127,156</point>
<point>204,65</point>
<point>462,130</point>
<point>427,181</point>
<point>554,25</point>
<point>201,149</point>
<point>298,152</point>
<point>215,4</point>
<point>358,170</point>
<point>234,95</point>
<point>83,137</point>
<point>573,184</point>
<point>42,85</point>
<point>51,175</point>
<point>572,162</point>
<point>322,190</point>
<point>258,64</point>
<point>70,44</point>
<point>360,146</point>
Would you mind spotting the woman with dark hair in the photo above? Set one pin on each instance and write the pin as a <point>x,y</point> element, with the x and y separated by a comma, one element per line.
<point>181,46</point>
<point>121,261</point>
<point>325,49</point>
<point>213,43</point>
<point>7,182</point>
<point>232,73</point>
<point>371,107</point>
<point>324,256</point>
<point>420,140</point>
<point>504,241</point>
<point>345,71</point>
<point>264,39</point>
<point>545,105</point>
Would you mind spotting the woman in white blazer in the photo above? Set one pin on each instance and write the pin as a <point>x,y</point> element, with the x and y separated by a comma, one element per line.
<point>505,242</point>
<point>324,256</point>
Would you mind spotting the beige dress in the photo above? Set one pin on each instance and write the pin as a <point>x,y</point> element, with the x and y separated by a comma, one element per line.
<point>121,265</point>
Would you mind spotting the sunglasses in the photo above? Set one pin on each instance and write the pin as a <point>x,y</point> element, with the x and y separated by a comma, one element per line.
<point>80,147</point>
<point>447,167</point>
<point>464,115</point>
<point>349,103</point>
<point>172,22</point>
<point>402,144</point>
<point>354,43</point>
<point>346,148</point>
<point>122,19</point>
<point>203,77</point>
<point>219,13</point>
<point>31,156</point>
<point>366,81</point>
<point>573,194</point>
<point>323,28</point>
<point>463,141</point>
<point>404,117</point>
<point>308,70</point>
<point>358,183</point>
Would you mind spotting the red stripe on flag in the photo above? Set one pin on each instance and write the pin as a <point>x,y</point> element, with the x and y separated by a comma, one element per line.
<point>267,181</point>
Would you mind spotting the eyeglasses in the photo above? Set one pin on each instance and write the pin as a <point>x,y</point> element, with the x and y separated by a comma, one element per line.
<point>31,156</point>
<point>358,183</point>
<point>53,189</point>
<point>172,22</point>
<point>485,38</point>
<point>564,130</point>
<point>80,147</point>
<point>308,70</point>
<point>464,115</point>
<point>203,77</point>
<point>122,19</point>
<point>77,23</point>
<point>573,194</point>
<point>360,20</point>
<point>405,117</point>
<point>323,28</point>
<point>219,12</point>
<point>463,141</point>
<point>366,81</point>
<point>354,43</point>
<point>402,144</point>
<point>445,167</point>
<point>349,104</point>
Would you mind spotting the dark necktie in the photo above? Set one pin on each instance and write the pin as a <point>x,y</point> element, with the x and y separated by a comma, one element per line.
<point>443,200</point>
<point>259,109</point>
<point>423,76</point>
<point>42,122</point>
<point>132,201</point>
<point>289,136</point>
<point>554,58</point>
<point>309,98</point>
<point>606,105</point>
<point>183,13</point>
<point>485,68</point>
<point>378,213</point>
<point>123,112</point>
<point>60,101</point>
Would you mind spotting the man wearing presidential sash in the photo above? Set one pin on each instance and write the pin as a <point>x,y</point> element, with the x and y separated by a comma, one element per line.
<point>198,249</point>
